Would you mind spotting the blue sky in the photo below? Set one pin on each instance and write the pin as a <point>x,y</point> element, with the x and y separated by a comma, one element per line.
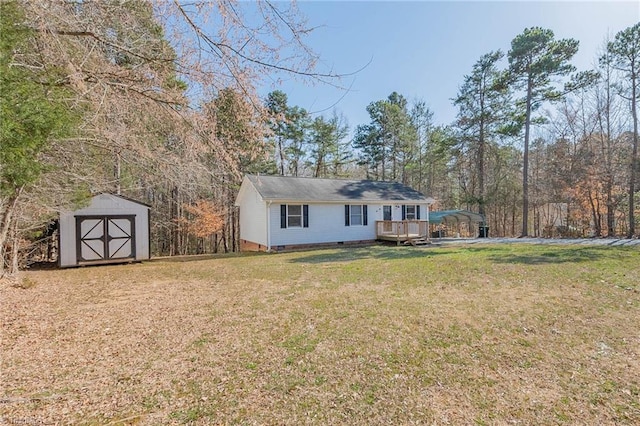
<point>423,49</point>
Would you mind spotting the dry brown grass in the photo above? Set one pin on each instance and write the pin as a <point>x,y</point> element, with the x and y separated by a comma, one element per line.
<point>380,335</point>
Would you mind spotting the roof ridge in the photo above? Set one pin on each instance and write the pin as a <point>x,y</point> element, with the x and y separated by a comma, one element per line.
<point>325,178</point>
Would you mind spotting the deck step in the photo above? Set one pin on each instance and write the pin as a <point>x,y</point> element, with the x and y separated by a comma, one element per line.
<point>417,241</point>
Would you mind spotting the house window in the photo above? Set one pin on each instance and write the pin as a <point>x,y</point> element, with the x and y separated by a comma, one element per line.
<point>355,214</point>
<point>411,212</point>
<point>294,216</point>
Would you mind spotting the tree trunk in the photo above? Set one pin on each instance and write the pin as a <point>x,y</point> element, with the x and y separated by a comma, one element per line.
<point>525,166</point>
<point>15,250</point>
<point>225,242</point>
<point>634,158</point>
<point>481,143</point>
<point>481,200</point>
<point>175,240</point>
<point>118,172</point>
<point>235,231</point>
<point>281,153</point>
<point>6,225</point>
<point>610,211</point>
<point>394,162</point>
<point>595,215</point>
<point>609,181</point>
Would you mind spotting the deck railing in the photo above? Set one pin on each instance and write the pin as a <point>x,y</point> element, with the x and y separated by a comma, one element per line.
<point>401,230</point>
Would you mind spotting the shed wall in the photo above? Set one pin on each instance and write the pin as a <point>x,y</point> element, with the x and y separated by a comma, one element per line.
<point>104,205</point>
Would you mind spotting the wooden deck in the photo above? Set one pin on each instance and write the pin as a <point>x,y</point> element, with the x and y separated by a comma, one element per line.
<point>403,231</point>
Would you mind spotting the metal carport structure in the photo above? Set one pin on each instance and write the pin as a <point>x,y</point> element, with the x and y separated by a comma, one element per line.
<point>455,218</point>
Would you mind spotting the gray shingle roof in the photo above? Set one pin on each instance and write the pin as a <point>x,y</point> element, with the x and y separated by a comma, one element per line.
<point>287,188</point>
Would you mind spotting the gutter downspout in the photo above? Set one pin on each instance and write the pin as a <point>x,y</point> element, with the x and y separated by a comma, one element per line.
<point>269,226</point>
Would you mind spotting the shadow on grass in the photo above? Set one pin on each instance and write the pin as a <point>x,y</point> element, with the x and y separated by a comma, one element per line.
<point>377,252</point>
<point>199,257</point>
<point>507,254</point>
<point>549,255</point>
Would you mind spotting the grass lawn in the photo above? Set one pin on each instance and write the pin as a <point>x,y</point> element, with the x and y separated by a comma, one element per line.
<point>500,334</point>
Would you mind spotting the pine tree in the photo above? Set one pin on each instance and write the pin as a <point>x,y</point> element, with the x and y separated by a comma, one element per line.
<point>535,57</point>
<point>481,102</point>
<point>32,111</point>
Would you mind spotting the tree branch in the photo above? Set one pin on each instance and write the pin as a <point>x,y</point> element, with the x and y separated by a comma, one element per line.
<point>94,36</point>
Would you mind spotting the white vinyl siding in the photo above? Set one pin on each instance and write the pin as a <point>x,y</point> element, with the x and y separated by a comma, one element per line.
<point>326,225</point>
<point>253,216</point>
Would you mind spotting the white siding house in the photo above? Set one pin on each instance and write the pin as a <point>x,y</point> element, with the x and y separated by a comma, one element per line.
<point>111,229</point>
<point>279,212</point>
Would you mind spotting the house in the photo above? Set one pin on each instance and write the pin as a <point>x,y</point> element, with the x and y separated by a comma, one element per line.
<point>278,212</point>
<point>111,229</point>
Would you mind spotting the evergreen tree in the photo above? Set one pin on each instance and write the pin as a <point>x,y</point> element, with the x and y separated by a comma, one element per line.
<point>327,151</point>
<point>32,111</point>
<point>481,103</point>
<point>386,143</point>
<point>535,57</point>
<point>288,126</point>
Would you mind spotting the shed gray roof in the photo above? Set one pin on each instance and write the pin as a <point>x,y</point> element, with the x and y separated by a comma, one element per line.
<point>332,190</point>
<point>125,198</point>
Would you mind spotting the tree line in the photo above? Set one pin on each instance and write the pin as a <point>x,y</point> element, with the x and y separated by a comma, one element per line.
<point>537,147</point>
<point>159,102</point>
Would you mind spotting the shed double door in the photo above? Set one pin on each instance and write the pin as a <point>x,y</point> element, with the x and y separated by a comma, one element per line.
<point>103,238</point>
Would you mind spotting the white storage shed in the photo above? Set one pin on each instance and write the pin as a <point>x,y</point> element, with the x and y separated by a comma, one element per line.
<point>112,229</point>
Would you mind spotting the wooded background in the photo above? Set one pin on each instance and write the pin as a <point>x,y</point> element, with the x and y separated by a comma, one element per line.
<point>159,102</point>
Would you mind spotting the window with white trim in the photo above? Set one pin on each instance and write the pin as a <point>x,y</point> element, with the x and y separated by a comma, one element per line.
<point>355,215</point>
<point>294,216</point>
<point>411,212</point>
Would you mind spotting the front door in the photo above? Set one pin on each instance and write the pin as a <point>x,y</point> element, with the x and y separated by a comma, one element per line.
<point>102,238</point>
<point>386,212</point>
<point>386,216</point>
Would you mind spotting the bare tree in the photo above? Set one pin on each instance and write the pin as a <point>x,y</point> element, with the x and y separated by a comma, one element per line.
<point>623,53</point>
<point>137,75</point>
